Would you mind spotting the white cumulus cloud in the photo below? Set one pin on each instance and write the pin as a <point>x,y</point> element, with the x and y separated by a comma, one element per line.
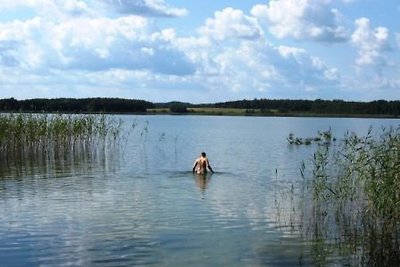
<point>119,48</point>
<point>370,42</point>
<point>259,68</point>
<point>302,19</point>
<point>231,24</point>
<point>89,44</point>
<point>157,8</point>
<point>58,9</point>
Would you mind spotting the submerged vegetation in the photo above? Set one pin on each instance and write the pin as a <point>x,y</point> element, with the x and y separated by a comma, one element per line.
<point>351,199</point>
<point>325,138</point>
<point>29,135</point>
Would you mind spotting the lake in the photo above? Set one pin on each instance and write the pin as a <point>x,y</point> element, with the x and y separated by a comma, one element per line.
<point>140,205</point>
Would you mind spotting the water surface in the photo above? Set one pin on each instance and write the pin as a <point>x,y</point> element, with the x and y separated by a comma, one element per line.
<point>141,205</point>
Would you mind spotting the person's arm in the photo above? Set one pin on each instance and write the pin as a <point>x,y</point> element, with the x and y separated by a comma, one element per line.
<point>209,166</point>
<point>194,166</point>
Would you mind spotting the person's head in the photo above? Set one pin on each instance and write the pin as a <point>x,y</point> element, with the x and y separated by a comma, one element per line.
<point>203,154</point>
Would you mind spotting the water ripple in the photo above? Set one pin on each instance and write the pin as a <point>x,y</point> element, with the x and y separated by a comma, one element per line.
<point>146,208</point>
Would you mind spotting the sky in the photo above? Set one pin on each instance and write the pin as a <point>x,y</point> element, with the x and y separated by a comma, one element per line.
<point>200,51</point>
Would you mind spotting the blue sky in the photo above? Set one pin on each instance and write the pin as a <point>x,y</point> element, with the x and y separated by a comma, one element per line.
<point>200,51</point>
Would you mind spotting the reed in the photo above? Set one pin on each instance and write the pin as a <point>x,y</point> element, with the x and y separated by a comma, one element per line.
<point>351,195</point>
<point>24,135</point>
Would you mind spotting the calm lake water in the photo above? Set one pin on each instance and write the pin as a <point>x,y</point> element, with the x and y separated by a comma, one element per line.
<point>141,204</point>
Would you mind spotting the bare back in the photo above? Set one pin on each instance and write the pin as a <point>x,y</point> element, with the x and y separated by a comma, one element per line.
<point>201,165</point>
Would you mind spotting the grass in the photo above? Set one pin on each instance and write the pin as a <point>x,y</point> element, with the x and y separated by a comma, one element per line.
<point>351,198</point>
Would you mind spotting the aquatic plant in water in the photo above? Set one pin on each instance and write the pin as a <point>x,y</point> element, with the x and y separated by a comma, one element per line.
<point>324,137</point>
<point>351,199</point>
<point>25,135</point>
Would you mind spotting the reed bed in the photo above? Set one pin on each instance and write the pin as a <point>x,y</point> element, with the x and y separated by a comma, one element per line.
<point>351,199</point>
<point>27,135</point>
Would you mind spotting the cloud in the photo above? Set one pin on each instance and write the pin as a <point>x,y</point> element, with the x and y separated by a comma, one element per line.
<point>116,48</point>
<point>302,19</point>
<point>60,9</point>
<point>398,39</point>
<point>51,9</point>
<point>124,43</point>
<point>373,63</point>
<point>260,68</point>
<point>231,24</point>
<point>77,48</point>
<point>371,43</point>
<point>152,8</point>
<point>90,44</point>
<point>232,55</point>
<point>7,54</point>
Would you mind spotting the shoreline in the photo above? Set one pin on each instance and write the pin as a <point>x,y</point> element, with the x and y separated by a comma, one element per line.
<point>258,113</point>
<point>229,112</point>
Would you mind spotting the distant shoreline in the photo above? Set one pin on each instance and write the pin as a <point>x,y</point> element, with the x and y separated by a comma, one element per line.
<point>256,107</point>
<point>228,112</point>
<point>259,113</point>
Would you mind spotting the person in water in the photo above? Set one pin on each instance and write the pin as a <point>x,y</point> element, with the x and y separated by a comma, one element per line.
<point>201,164</point>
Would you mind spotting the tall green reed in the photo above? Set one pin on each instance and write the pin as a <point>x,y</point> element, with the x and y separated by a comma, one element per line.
<point>32,134</point>
<point>351,196</point>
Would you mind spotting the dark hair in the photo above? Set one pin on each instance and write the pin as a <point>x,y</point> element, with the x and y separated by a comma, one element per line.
<point>203,154</point>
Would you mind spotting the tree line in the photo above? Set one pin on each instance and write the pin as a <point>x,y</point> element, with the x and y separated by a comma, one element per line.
<point>319,106</point>
<point>267,106</point>
<point>75,105</point>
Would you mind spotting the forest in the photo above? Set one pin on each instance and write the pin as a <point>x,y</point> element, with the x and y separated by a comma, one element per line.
<point>318,106</point>
<point>73,105</point>
<point>256,106</point>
